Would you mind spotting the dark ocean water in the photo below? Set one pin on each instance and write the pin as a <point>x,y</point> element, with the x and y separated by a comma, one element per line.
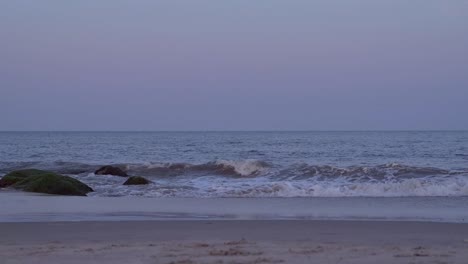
<point>252,164</point>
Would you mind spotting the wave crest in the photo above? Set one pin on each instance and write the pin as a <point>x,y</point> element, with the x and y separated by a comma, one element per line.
<point>365,172</point>
<point>241,168</point>
<point>210,187</point>
<point>245,168</point>
<point>257,178</point>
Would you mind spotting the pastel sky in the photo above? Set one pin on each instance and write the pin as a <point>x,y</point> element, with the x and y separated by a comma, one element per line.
<point>233,65</point>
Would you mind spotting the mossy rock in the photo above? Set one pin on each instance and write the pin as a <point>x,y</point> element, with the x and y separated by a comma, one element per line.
<point>136,180</point>
<point>52,183</point>
<point>32,180</point>
<point>19,175</point>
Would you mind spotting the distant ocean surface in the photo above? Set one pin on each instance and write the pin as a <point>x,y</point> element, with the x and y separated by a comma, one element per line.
<point>251,164</point>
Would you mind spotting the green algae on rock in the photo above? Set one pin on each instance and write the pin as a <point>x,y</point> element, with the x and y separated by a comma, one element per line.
<point>44,182</point>
<point>19,175</point>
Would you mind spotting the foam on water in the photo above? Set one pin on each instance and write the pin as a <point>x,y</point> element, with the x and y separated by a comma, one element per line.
<point>244,167</point>
<point>252,164</point>
<point>256,180</point>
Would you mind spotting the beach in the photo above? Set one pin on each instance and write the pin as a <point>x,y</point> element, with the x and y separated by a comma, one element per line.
<point>248,241</point>
<point>39,228</point>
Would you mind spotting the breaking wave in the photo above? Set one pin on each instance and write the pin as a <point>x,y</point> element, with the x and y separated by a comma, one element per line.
<point>243,168</point>
<point>366,172</point>
<point>257,178</point>
<point>219,167</point>
<point>212,187</point>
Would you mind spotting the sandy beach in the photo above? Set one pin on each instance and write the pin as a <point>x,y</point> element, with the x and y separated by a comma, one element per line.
<point>263,241</point>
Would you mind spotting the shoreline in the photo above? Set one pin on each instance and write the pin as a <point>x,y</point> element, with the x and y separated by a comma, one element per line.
<point>29,207</point>
<point>244,241</point>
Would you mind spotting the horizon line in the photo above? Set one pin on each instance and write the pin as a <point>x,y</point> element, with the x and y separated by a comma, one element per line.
<point>279,130</point>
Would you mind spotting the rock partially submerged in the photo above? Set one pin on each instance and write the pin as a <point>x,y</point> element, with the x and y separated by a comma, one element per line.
<point>45,182</point>
<point>111,170</point>
<point>136,180</point>
<point>19,175</point>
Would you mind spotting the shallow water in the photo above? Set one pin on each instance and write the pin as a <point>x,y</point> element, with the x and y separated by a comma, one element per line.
<point>26,207</point>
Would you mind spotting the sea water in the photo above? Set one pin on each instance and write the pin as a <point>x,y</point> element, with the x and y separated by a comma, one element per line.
<point>381,168</point>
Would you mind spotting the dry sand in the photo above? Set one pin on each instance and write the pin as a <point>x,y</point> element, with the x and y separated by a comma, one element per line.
<point>187,242</point>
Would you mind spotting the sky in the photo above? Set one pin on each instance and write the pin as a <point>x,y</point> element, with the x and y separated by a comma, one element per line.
<point>234,65</point>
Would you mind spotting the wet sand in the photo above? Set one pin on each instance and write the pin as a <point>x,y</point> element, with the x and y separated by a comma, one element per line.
<point>248,241</point>
<point>31,207</point>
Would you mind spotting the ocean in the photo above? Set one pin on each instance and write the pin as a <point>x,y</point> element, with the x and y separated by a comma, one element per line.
<point>415,175</point>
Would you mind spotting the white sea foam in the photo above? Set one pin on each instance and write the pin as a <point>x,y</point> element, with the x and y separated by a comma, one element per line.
<point>257,178</point>
<point>210,186</point>
<point>244,167</point>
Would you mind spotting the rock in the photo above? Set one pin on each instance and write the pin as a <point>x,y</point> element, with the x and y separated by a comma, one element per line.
<point>19,175</point>
<point>136,180</point>
<point>40,181</point>
<point>52,183</point>
<point>111,170</point>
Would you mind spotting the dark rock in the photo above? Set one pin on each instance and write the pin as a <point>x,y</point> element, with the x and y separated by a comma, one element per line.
<point>40,181</point>
<point>52,183</point>
<point>136,180</point>
<point>19,175</point>
<point>111,170</point>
